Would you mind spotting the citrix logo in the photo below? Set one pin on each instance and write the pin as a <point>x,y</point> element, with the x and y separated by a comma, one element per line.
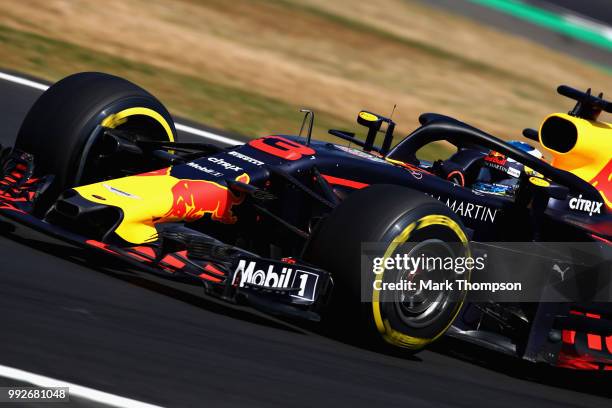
<point>224,164</point>
<point>592,207</point>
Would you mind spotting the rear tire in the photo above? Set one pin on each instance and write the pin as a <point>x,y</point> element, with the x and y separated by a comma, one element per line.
<point>59,129</point>
<point>393,216</point>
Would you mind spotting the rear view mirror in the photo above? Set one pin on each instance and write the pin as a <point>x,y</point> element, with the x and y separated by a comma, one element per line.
<point>369,120</point>
<point>373,123</point>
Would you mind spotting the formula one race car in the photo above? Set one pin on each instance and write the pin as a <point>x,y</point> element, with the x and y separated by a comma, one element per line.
<point>278,223</point>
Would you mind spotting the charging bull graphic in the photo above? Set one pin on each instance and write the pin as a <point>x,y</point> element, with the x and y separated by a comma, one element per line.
<point>496,157</point>
<point>192,199</point>
<point>157,197</point>
<point>603,183</point>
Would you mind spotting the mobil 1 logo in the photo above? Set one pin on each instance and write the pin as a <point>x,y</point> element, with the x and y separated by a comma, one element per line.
<point>271,275</point>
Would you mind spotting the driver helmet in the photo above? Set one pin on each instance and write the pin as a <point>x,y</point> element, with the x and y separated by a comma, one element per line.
<point>500,174</point>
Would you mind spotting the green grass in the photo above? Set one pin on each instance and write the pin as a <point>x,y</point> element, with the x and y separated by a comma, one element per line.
<point>462,62</point>
<point>217,105</point>
<point>232,109</point>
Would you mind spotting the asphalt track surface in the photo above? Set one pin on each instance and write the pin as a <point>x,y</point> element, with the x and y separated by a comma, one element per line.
<point>74,317</point>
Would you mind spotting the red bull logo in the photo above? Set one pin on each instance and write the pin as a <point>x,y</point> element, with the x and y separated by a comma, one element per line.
<point>192,199</point>
<point>496,157</point>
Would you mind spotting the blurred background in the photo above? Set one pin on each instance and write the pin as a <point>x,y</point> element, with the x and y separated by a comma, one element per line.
<point>247,66</point>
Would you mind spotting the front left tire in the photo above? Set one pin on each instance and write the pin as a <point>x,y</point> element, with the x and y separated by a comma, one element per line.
<point>61,129</point>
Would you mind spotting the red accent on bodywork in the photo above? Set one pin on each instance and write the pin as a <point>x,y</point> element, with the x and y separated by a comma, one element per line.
<point>166,268</point>
<point>460,174</point>
<point>170,259</point>
<point>585,351</point>
<point>597,237</point>
<point>603,183</point>
<point>281,147</point>
<point>344,182</point>
<point>594,341</point>
<point>144,253</point>
<point>210,278</point>
<point>566,360</point>
<point>145,250</point>
<point>577,313</point>
<point>7,206</point>
<point>211,268</point>
<point>13,199</point>
<point>138,257</point>
<point>174,262</point>
<point>569,336</point>
<point>100,245</point>
<point>160,172</point>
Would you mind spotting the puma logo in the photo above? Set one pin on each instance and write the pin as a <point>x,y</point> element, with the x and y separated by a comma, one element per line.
<point>560,271</point>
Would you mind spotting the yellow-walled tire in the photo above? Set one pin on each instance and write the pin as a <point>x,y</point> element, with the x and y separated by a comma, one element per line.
<point>394,218</point>
<point>59,128</point>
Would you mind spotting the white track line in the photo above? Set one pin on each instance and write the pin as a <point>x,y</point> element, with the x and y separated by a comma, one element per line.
<point>207,135</point>
<point>23,81</point>
<point>179,126</point>
<point>73,389</point>
<point>588,23</point>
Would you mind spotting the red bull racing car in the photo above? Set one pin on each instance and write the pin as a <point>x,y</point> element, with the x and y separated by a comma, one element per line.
<point>279,223</point>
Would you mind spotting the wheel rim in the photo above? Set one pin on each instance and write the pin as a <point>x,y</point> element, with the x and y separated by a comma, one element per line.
<point>419,308</point>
